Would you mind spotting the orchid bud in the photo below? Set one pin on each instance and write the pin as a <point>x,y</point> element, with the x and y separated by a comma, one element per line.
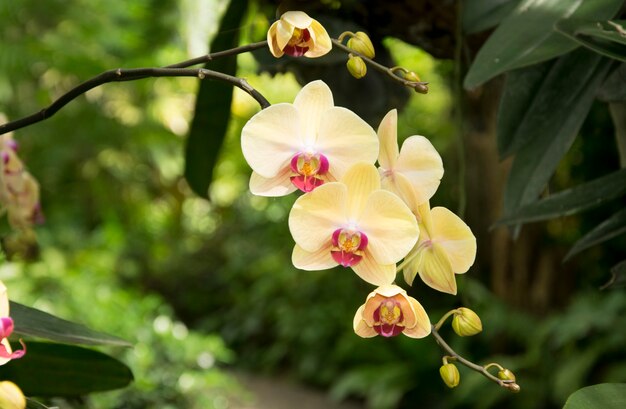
<point>466,323</point>
<point>362,44</point>
<point>506,375</point>
<point>411,76</point>
<point>356,66</point>
<point>450,375</point>
<point>11,397</point>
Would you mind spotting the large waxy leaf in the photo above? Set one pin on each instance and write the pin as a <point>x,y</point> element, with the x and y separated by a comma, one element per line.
<point>618,276</point>
<point>614,87</point>
<point>65,370</point>
<point>527,35</point>
<point>34,323</point>
<point>480,15</point>
<point>576,78</point>
<point>613,226</point>
<point>212,111</point>
<point>606,38</point>
<point>602,396</point>
<point>572,200</point>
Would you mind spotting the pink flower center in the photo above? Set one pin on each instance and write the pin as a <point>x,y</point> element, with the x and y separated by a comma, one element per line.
<point>299,43</point>
<point>6,327</point>
<point>348,246</point>
<point>308,167</point>
<point>388,318</point>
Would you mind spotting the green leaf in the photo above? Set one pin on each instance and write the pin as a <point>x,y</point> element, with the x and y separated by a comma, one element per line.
<point>618,276</point>
<point>601,396</point>
<point>606,38</point>
<point>611,227</point>
<point>571,201</point>
<point>526,36</point>
<point>34,323</point>
<point>480,15</point>
<point>65,370</point>
<point>567,101</point>
<point>212,111</point>
<point>614,87</point>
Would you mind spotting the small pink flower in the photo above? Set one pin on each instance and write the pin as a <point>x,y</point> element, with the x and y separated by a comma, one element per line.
<point>296,34</point>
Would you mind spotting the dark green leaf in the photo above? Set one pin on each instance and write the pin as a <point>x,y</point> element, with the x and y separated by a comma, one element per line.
<point>526,36</point>
<point>575,79</point>
<point>614,87</point>
<point>602,396</point>
<point>480,15</point>
<point>608,39</point>
<point>34,323</point>
<point>570,201</point>
<point>65,370</point>
<point>613,226</point>
<point>618,115</point>
<point>212,111</point>
<point>618,276</point>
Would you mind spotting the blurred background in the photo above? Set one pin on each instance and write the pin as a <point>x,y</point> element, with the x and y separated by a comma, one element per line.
<point>205,288</point>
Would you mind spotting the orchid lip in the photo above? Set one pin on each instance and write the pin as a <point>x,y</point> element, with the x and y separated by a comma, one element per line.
<point>308,167</point>
<point>348,246</point>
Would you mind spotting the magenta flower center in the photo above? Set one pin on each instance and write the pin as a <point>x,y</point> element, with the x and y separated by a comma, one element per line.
<point>307,169</point>
<point>388,318</point>
<point>299,43</point>
<point>6,327</point>
<point>348,246</point>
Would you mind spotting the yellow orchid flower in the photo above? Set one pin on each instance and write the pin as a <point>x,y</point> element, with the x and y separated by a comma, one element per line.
<point>296,34</point>
<point>11,396</point>
<point>415,171</point>
<point>353,223</point>
<point>304,144</point>
<point>6,329</point>
<point>446,247</point>
<point>389,311</point>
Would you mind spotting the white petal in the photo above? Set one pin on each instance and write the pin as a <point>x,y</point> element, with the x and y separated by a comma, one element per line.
<point>345,139</point>
<point>4,301</point>
<point>316,215</point>
<point>279,185</point>
<point>420,162</point>
<point>7,345</point>
<point>372,272</point>
<point>390,227</point>
<point>312,261</point>
<point>271,138</point>
<point>388,138</point>
<point>313,100</point>
<point>297,18</point>
<point>361,181</point>
<point>455,237</point>
<point>284,32</point>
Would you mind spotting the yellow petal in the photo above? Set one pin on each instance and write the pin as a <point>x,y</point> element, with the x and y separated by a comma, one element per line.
<point>388,137</point>
<point>284,32</point>
<point>455,237</point>
<point>410,269</point>
<point>390,290</point>
<point>422,326</point>
<point>313,100</point>
<point>390,227</point>
<point>279,185</point>
<point>11,396</point>
<point>371,304</point>
<point>323,43</point>
<point>345,139</point>
<point>316,215</point>
<point>425,219</point>
<point>398,184</point>
<point>272,41</point>
<point>312,261</point>
<point>435,270</point>
<point>420,162</point>
<point>372,272</point>
<point>271,138</point>
<point>4,301</point>
<point>361,180</point>
<point>297,19</point>
<point>360,326</point>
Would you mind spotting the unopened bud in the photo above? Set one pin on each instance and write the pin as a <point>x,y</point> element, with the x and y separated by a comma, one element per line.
<point>450,375</point>
<point>466,323</point>
<point>356,67</point>
<point>362,44</point>
<point>506,375</point>
<point>411,76</point>
<point>11,397</point>
<point>513,387</point>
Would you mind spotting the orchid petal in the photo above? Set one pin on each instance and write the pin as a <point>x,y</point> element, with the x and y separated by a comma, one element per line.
<point>5,347</point>
<point>420,162</point>
<point>279,185</point>
<point>316,215</point>
<point>345,139</point>
<point>297,19</point>
<point>271,138</point>
<point>390,227</point>
<point>388,137</point>
<point>323,43</point>
<point>360,326</point>
<point>422,326</point>
<point>361,180</point>
<point>284,33</point>
<point>313,100</point>
<point>389,291</point>
<point>4,301</point>
<point>425,219</point>
<point>435,270</point>
<point>371,305</point>
<point>372,272</point>
<point>272,41</point>
<point>312,261</point>
<point>415,256</point>
<point>455,237</point>
<point>400,185</point>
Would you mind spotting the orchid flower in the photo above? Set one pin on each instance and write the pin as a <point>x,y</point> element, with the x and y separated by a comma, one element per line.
<point>415,171</point>
<point>304,144</point>
<point>296,34</point>
<point>389,311</point>
<point>446,247</point>
<point>353,223</point>
<point>6,328</point>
